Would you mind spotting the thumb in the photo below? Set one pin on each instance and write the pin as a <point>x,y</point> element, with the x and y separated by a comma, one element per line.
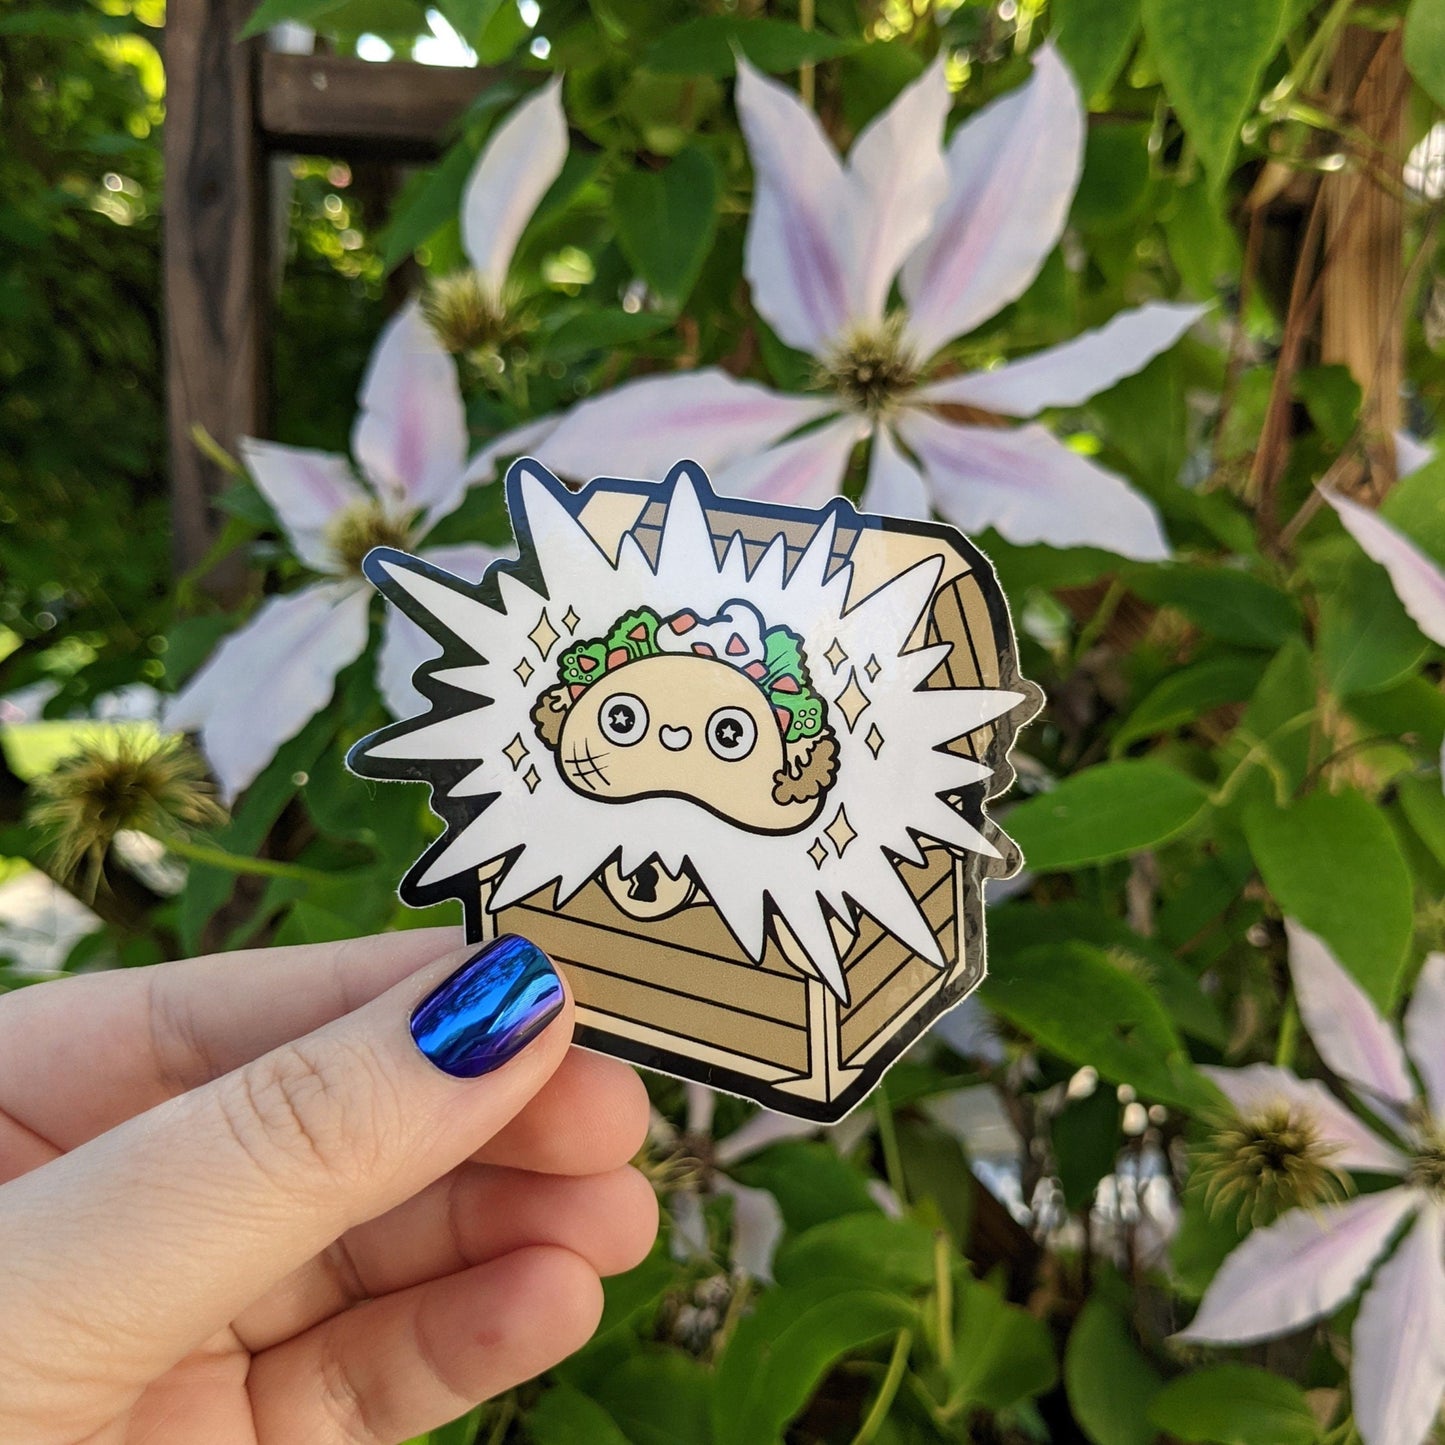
<point>154,1236</point>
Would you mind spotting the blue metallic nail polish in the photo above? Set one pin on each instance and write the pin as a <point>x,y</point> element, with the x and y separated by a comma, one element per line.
<point>489,1010</point>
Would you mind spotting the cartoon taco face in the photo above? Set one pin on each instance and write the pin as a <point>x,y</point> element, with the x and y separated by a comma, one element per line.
<point>727,763</point>
<point>718,712</point>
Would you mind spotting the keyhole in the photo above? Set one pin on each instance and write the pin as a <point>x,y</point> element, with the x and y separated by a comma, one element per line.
<point>642,886</point>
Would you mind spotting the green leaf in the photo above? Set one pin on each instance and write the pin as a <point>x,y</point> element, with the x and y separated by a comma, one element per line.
<point>1014,927</point>
<point>936,1170</point>
<point>1001,1354</point>
<point>307,922</point>
<point>1332,862</point>
<point>1424,805</point>
<point>1230,605</point>
<point>1273,737</point>
<point>272,12</point>
<point>658,1398</point>
<point>1096,37</point>
<point>665,221</point>
<point>208,888</point>
<point>1366,640</point>
<point>628,1296</point>
<point>1105,812</point>
<point>599,329</point>
<point>1085,1135</point>
<point>705,46</point>
<point>468,17</point>
<point>1181,697</point>
<point>1425,46</point>
<point>1076,1002</point>
<point>868,1248</point>
<point>1332,397</point>
<point>1235,1405</point>
<point>810,1181</point>
<point>1206,1236</point>
<point>1109,1381</point>
<point>564,1416</point>
<point>1116,175</point>
<point>784,1348</point>
<point>427,202</point>
<point>1212,58</point>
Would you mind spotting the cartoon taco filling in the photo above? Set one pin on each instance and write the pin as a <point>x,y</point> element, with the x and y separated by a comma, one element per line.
<point>719,711</point>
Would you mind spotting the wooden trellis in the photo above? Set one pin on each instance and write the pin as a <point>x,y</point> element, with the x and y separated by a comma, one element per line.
<point>231,107</point>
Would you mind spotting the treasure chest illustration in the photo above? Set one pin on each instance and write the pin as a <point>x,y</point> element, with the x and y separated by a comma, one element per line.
<point>727,762</point>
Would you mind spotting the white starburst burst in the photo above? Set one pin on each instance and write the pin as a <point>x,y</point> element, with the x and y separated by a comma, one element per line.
<point>894,773</point>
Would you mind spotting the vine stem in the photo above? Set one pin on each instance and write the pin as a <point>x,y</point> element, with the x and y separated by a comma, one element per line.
<point>1288,1042</point>
<point>213,857</point>
<point>888,1137</point>
<point>943,1299</point>
<point>888,1391</point>
<point>807,72</point>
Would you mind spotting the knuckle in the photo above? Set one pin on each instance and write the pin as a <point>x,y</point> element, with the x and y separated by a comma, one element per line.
<point>318,1108</point>
<point>343,1403</point>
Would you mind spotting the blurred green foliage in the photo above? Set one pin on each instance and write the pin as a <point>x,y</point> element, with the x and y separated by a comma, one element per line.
<point>1250,730</point>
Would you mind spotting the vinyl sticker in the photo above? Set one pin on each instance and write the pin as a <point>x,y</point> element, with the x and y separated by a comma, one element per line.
<point>727,762</point>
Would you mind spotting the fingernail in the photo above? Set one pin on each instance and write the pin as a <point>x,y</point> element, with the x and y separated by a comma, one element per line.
<point>489,1010</point>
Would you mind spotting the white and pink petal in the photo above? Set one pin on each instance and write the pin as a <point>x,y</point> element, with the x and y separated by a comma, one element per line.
<point>1397,1373</point>
<point>642,428</point>
<point>757,1228</point>
<point>410,438</point>
<point>519,441</point>
<point>1355,1146</point>
<point>803,472</point>
<point>1030,488</point>
<point>898,178</point>
<point>797,252</point>
<point>1069,374</point>
<point>1012,172</point>
<point>1300,1268</point>
<point>895,487</point>
<point>267,680</point>
<point>764,1129</point>
<point>1425,1032</point>
<point>1346,1027</point>
<point>521,159</point>
<point>1418,580</point>
<point>308,490</point>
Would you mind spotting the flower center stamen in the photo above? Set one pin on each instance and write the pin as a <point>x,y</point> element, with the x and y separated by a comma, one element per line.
<point>1427,1168</point>
<point>871,369</point>
<point>355,530</point>
<point>1263,1163</point>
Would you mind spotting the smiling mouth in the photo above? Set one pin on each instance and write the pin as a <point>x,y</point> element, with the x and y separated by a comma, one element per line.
<point>585,768</point>
<point>674,739</point>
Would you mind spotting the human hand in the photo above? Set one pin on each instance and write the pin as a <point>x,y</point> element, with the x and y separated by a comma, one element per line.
<point>240,1204</point>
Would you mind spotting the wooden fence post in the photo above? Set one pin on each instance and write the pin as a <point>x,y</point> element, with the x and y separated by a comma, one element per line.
<point>215,240</point>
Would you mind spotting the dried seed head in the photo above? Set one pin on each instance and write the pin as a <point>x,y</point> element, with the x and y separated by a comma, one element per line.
<point>469,318</point>
<point>1267,1161</point>
<point>132,780</point>
<point>356,529</point>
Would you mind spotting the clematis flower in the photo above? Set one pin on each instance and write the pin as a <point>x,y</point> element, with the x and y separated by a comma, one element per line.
<point>473,311</point>
<point>1418,580</point>
<point>409,445</point>
<point>269,678</point>
<point>757,1220</point>
<point>964,231</point>
<point>1311,1260</point>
